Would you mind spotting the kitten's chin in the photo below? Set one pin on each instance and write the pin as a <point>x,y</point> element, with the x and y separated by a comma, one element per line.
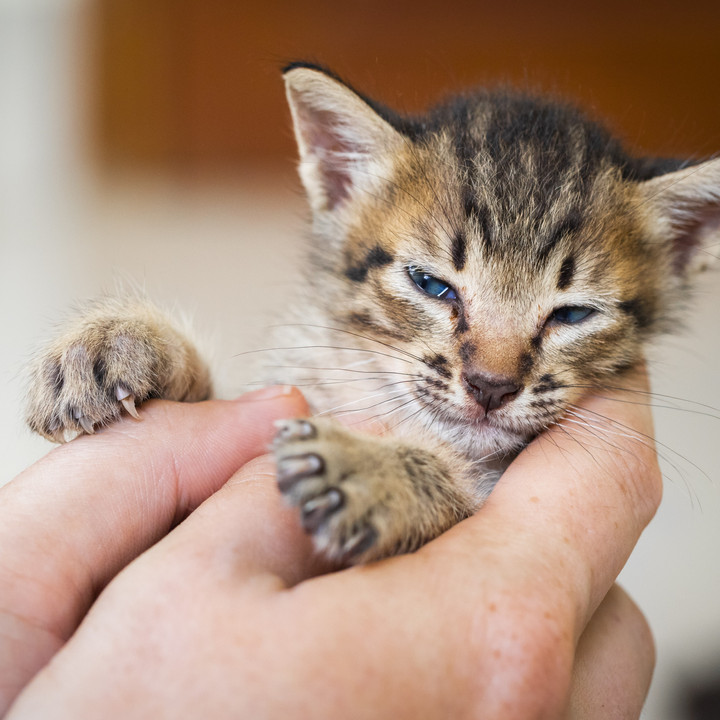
<point>494,439</point>
<point>484,439</point>
<point>478,435</point>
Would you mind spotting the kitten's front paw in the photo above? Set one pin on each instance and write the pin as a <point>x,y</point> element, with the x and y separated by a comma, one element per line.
<point>85,380</point>
<point>113,359</point>
<point>323,470</point>
<point>364,497</point>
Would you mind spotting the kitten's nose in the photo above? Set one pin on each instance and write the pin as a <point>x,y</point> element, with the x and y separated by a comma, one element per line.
<point>491,391</point>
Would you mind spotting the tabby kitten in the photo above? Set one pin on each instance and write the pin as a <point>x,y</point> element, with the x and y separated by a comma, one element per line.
<point>473,272</point>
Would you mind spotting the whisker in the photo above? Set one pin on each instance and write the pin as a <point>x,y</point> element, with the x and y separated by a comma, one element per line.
<point>323,347</point>
<point>649,441</point>
<point>392,411</point>
<point>341,369</point>
<point>340,409</point>
<point>599,432</point>
<point>407,418</point>
<point>433,406</point>
<point>314,382</point>
<point>577,441</point>
<point>651,394</point>
<point>650,438</point>
<point>354,334</point>
<point>602,433</point>
<point>562,450</point>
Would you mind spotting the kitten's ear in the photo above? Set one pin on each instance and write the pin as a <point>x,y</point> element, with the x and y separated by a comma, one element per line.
<point>684,210</point>
<point>344,145</point>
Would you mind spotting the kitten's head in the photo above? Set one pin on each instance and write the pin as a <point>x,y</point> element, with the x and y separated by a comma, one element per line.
<point>506,243</point>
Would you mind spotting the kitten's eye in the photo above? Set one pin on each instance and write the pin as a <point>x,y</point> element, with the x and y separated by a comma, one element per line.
<point>570,315</point>
<point>431,285</point>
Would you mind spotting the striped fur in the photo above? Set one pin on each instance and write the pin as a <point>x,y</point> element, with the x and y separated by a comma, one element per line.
<point>526,215</point>
<point>472,273</point>
<point>523,205</point>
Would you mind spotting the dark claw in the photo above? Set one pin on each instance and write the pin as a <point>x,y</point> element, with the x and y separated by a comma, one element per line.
<point>294,430</point>
<point>296,467</point>
<point>317,510</point>
<point>86,425</point>
<point>361,541</point>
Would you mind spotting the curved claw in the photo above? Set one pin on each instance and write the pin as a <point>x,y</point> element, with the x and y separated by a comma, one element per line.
<point>121,392</point>
<point>288,430</point>
<point>361,541</point>
<point>129,404</point>
<point>86,425</point>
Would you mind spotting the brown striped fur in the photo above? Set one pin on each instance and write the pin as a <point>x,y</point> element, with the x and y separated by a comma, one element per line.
<point>525,211</point>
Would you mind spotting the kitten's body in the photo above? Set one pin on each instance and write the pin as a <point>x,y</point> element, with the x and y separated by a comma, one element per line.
<point>473,273</point>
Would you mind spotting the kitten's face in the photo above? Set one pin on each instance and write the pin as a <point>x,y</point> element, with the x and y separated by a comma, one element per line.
<point>511,319</point>
<point>507,250</point>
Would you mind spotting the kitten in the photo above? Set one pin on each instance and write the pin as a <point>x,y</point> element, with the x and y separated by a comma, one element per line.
<point>473,272</point>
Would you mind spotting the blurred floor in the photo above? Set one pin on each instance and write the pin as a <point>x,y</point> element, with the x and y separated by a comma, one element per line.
<point>226,253</point>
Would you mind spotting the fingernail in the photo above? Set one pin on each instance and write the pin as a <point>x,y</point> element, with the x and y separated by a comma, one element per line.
<point>267,393</point>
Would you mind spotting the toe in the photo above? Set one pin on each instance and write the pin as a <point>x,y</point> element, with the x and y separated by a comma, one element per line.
<point>296,467</point>
<point>289,430</point>
<point>318,509</point>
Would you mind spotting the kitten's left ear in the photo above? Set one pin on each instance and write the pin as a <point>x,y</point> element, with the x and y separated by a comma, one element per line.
<point>683,208</point>
<point>345,145</point>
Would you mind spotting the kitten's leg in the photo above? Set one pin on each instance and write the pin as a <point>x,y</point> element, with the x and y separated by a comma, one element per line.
<point>364,497</point>
<point>119,353</point>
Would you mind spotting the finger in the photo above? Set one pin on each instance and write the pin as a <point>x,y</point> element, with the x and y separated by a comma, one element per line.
<point>70,522</point>
<point>261,536</point>
<point>613,663</point>
<point>571,507</point>
<point>244,530</point>
<point>246,527</point>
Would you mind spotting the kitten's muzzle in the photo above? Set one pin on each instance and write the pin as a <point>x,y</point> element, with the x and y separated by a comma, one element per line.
<point>491,391</point>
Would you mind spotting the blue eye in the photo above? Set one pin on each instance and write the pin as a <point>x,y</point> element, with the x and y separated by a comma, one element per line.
<point>570,315</point>
<point>431,285</point>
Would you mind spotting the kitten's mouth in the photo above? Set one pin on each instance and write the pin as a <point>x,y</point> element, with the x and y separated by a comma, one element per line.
<point>482,422</point>
<point>494,427</point>
<point>499,424</point>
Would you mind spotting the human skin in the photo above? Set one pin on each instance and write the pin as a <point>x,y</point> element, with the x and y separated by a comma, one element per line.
<point>110,606</point>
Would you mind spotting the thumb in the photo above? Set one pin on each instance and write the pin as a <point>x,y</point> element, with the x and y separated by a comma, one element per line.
<point>70,522</point>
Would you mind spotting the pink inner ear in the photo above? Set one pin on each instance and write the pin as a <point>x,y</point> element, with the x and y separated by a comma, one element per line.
<point>697,225</point>
<point>327,146</point>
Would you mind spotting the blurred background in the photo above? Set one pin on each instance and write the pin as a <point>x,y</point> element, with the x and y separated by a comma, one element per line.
<point>147,143</point>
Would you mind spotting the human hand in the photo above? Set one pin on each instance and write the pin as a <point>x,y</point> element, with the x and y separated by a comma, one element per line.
<point>73,520</point>
<point>497,618</point>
